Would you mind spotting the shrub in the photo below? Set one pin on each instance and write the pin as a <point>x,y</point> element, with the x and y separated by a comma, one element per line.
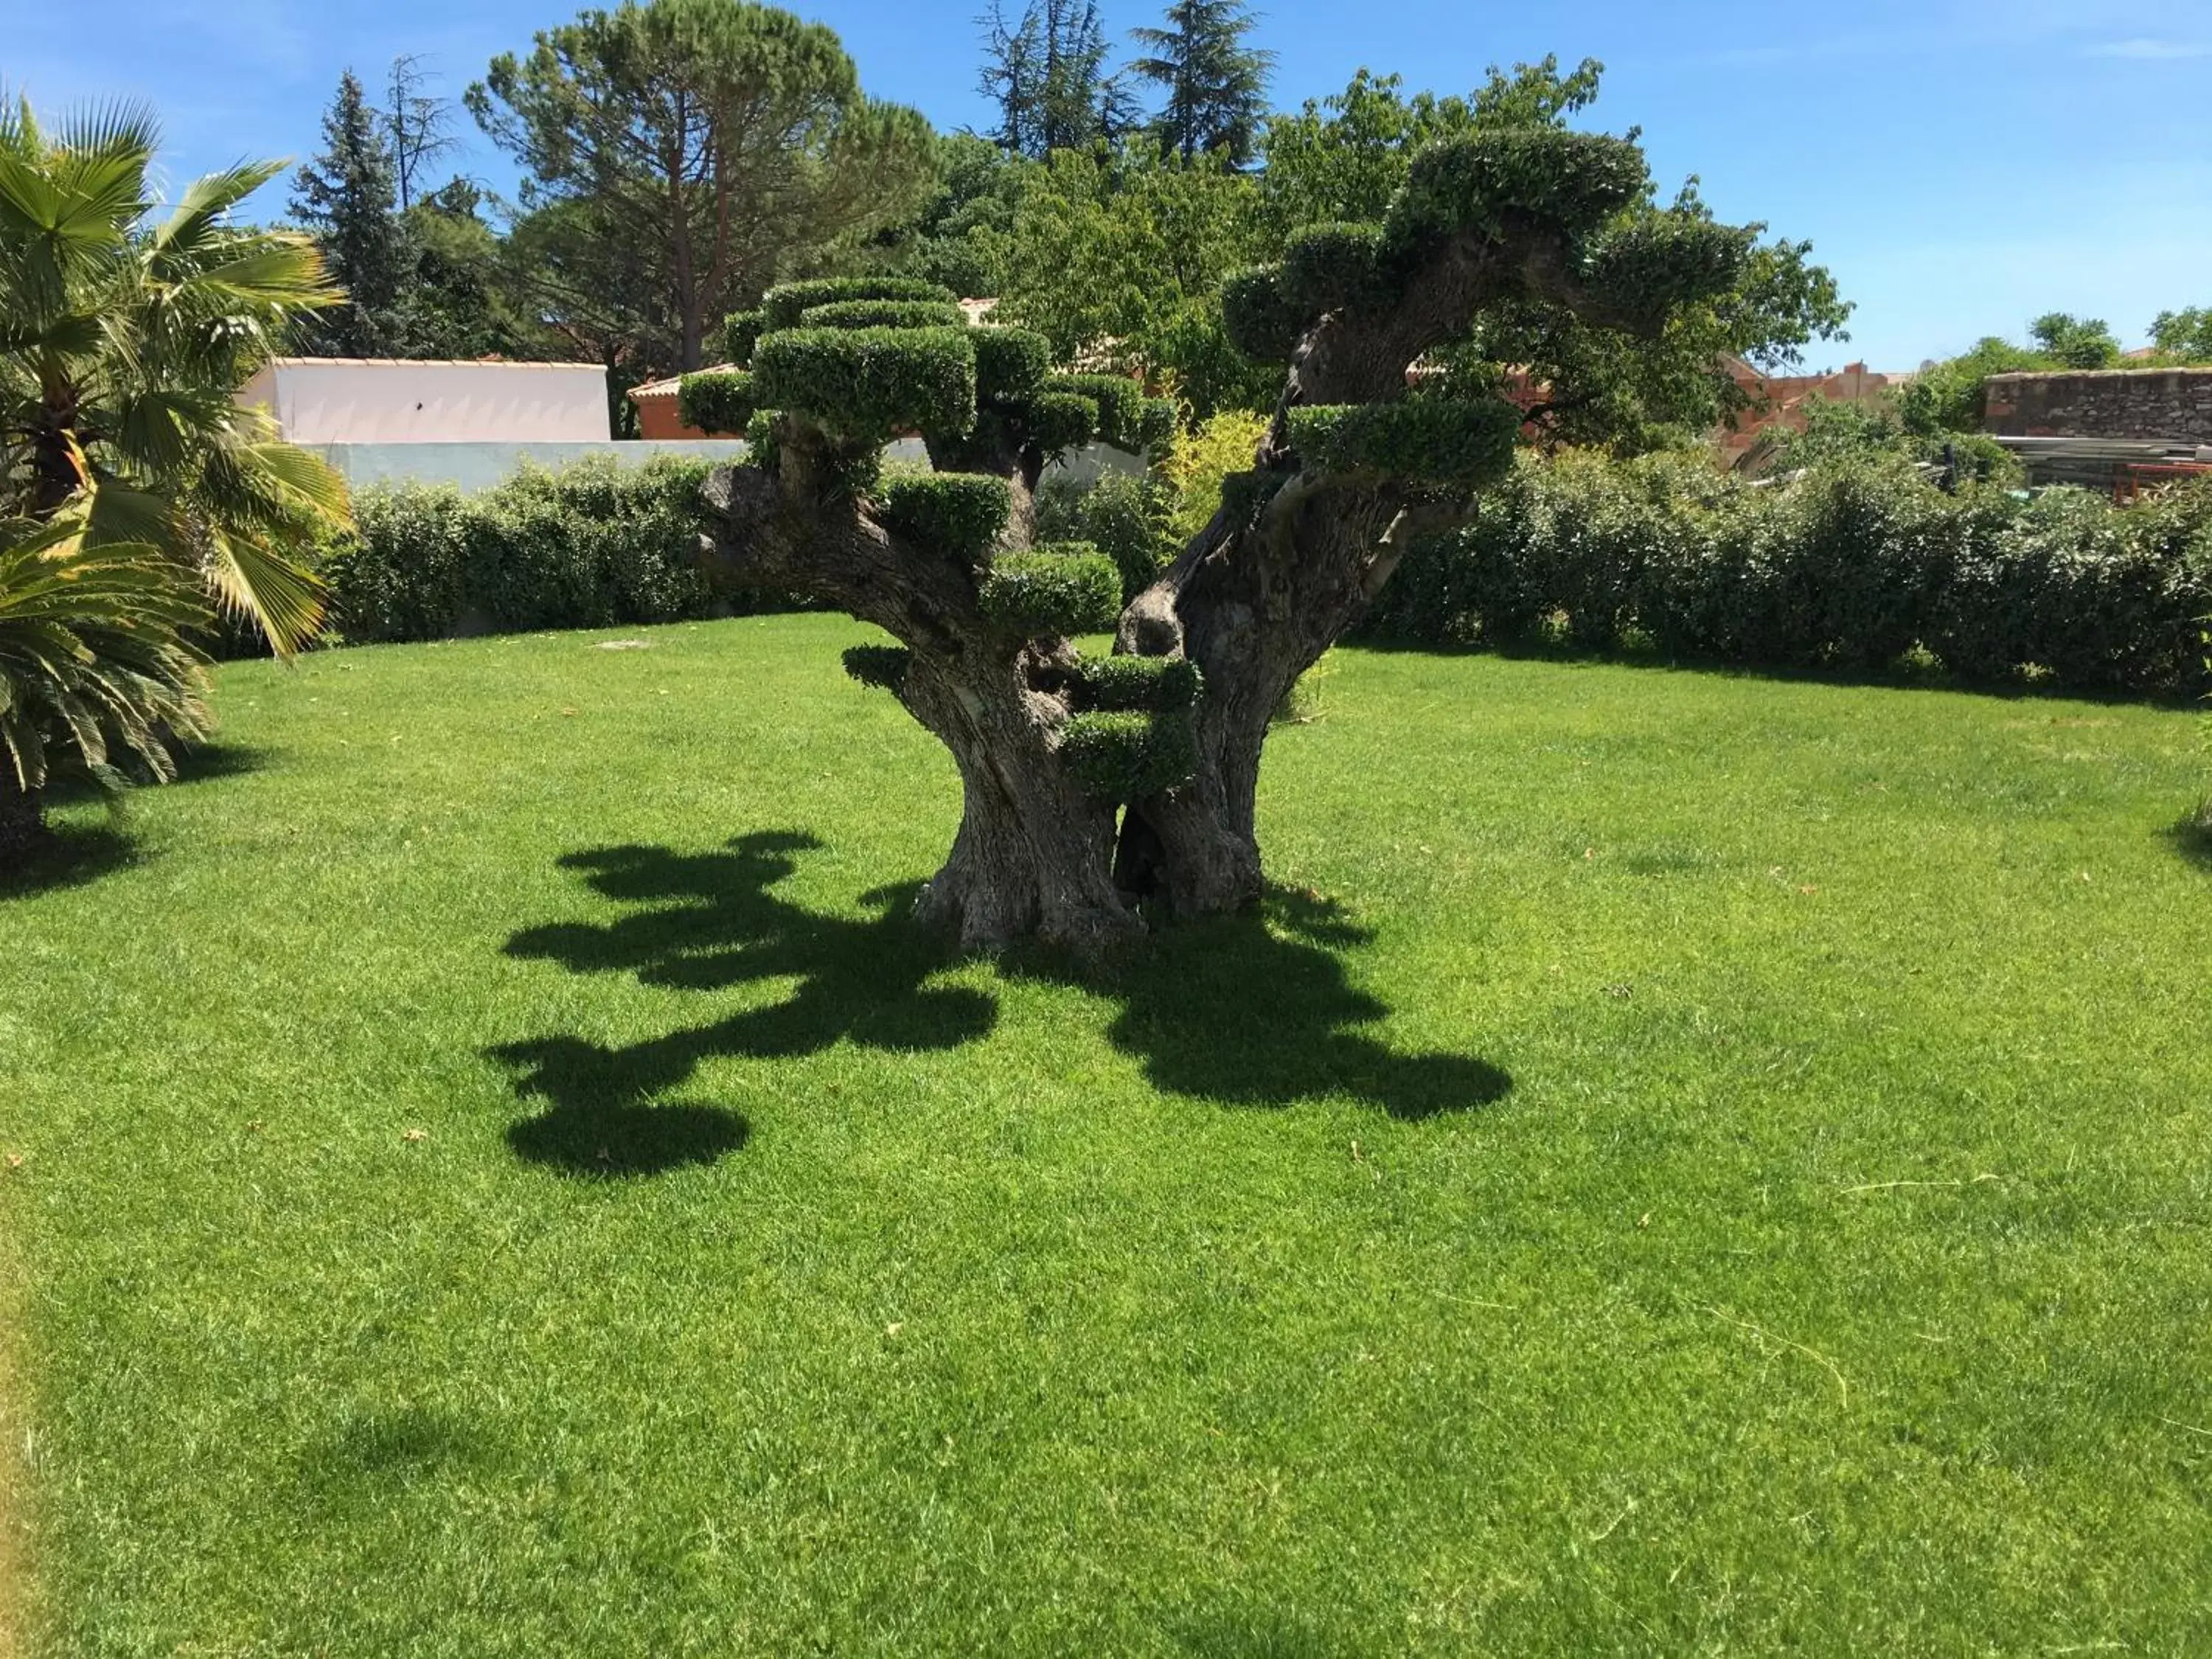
<point>955,515</point>
<point>740,330</point>
<point>782,307</point>
<point>1068,589</point>
<point>1328,267</point>
<point>884,313</point>
<point>871,382</point>
<point>1852,566</point>
<point>1260,316</point>
<point>1197,464</point>
<point>1128,419</point>
<point>1469,443</point>
<point>1130,519</point>
<point>592,545</point>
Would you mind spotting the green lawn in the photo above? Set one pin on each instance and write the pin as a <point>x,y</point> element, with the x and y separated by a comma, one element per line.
<point>1688,1165</point>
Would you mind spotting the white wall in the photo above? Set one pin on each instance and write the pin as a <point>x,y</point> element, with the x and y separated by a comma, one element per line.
<point>337,400</point>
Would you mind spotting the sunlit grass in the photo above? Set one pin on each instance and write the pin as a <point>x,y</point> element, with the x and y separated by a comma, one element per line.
<point>1686,1164</point>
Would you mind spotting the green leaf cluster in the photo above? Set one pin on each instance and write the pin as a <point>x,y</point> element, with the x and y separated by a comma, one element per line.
<point>786,304</point>
<point>884,314</point>
<point>1070,588</point>
<point>1464,444</point>
<point>717,401</point>
<point>1126,756</point>
<point>1160,685</point>
<point>870,383</point>
<point>956,516</point>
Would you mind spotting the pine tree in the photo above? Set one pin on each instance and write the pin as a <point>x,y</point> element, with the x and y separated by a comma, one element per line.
<point>1217,86</point>
<point>345,196</point>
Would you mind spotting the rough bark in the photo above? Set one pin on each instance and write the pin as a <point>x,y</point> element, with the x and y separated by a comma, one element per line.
<point>1034,852</point>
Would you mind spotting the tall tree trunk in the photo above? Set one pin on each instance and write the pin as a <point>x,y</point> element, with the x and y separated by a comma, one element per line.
<point>1034,851</point>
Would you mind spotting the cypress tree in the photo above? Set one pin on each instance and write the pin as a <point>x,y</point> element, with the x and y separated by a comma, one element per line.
<point>347,198</point>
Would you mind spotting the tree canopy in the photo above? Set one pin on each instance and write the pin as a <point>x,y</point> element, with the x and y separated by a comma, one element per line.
<point>347,196</point>
<point>707,146</point>
<point>1214,83</point>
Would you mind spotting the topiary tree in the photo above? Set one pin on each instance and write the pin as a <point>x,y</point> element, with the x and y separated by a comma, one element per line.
<point>1092,780</point>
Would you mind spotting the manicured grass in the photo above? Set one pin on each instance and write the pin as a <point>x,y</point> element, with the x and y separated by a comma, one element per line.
<point>1688,1165</point>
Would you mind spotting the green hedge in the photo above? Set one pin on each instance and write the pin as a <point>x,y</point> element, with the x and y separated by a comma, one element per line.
<point>1010,362</point>
<point>1852,568</point>
<point>741,331</point>
<point>884,313</point>
<point>1052,590</point>
<point>1261,318</point>
<point>592,545</point>
<point>718,401</point>
<point>871,382</point>
<point>1130,519</point>
<point>1128,419</point>
<point>783,308</point>
<point>955,515</point>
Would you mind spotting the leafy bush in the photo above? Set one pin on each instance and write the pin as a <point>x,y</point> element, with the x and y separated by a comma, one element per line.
<point>869,383</point>
<point>591,545</point>
<point>884,313</point>
<point>718,401</point>
<point>1128,419</point>
<point>1198,465</point>
<point>783,307</point>
<point>1123,756</point>
<point>1130,519</point>
<point>955,515</point>
<point>740,330</point>
<point>1259,315</point>
<point>1853,565</point>
<point>1157,684</point>
<point>1328,267</point>
<point>1068,589</point>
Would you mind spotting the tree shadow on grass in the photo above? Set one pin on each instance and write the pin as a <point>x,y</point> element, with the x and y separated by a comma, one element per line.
<point>70,856</point>
<point>1252,1010</point>
<point>1259,1010</point>
<point>714,922</point>
<point>2192,836</point>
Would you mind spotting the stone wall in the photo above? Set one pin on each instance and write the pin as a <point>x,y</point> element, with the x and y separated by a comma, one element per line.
<point>2171,405</point>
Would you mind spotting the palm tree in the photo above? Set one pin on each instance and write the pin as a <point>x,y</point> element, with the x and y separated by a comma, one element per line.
<point>95,667</point>
<point>123,342</point>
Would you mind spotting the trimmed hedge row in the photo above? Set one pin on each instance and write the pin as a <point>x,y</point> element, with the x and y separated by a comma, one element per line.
<point>592,545</point>
<point>1852,568</point>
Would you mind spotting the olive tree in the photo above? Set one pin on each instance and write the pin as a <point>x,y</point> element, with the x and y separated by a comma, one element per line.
<point>1095,779</point>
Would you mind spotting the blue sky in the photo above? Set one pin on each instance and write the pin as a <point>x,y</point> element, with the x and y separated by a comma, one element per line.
<point>1962,165</point>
